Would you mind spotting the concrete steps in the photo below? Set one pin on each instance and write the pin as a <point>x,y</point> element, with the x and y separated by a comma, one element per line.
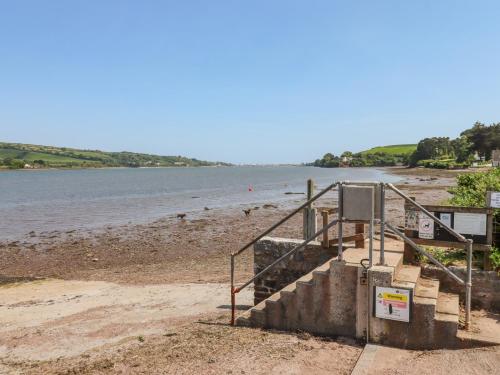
<point>329,301</point>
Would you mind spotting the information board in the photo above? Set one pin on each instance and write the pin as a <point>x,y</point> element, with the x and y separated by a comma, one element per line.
<point>392,303</point>
<point>466,223</point>
<point>473,223</point>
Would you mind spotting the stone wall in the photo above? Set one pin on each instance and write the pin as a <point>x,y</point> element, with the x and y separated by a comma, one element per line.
<point>268,249</point>
<point>485,286</point>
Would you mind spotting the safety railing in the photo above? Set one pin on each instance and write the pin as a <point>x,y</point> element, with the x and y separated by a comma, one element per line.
<point>467,244</point>
<point>308,203</point>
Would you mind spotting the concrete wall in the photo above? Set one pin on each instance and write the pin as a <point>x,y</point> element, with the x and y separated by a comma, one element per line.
<point>304,261</point>
<point>485,286</point>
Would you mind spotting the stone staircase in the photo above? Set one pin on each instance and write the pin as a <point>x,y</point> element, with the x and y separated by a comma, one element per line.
<point>332,300</point>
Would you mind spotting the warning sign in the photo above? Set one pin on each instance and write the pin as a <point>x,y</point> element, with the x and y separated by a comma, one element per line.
<point>425,227</point>
<point>392,303</point>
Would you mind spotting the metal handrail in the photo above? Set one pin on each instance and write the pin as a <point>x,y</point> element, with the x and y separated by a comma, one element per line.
<point>286,218</point>
<point>283,257</point>
<point>425,211</point>
<point>425,253</point>
<point>265,233</point>
<point>468,245</point>
<point>467,282</point>
<point>280,259</point>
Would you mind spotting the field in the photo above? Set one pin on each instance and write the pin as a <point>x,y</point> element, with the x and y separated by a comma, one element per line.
<point>16,155</point>
<point>392,149</point>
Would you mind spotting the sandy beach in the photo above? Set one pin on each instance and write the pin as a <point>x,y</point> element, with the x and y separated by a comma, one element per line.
<point>153,298</point>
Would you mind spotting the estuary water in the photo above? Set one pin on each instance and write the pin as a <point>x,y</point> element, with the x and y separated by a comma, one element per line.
<point>48,200</point>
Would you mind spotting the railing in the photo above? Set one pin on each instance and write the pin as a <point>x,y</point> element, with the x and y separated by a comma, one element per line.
<point>467,243</point>
<point>234,290</point>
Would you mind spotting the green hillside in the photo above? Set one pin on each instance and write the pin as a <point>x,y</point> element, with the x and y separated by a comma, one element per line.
<point>16,155</point>
<point>392,149</point>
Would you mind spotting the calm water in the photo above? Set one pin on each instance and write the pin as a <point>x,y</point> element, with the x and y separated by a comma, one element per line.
<point>90,199</point>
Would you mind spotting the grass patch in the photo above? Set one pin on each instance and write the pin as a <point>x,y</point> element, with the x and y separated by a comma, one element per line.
<point>392,149</point>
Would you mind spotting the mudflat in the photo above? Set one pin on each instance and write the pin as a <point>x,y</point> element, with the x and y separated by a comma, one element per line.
<point>154,298</point>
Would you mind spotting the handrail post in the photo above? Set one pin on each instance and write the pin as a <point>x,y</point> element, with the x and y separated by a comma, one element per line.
<point>468,285</point>
<point>341,218</point>
<point>233,294</point>
<point>382,224</point>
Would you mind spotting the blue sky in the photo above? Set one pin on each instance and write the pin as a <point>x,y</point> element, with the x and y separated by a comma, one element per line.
<point>246,81</point>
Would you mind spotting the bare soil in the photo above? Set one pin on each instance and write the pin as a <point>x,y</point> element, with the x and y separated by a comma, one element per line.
<point>393,361</point>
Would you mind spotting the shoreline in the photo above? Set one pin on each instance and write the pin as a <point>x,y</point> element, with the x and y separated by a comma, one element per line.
<point>163,286</point>
<point>143,252</point>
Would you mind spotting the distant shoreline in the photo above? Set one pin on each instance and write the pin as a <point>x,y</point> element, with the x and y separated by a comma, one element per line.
<point>92,168</point>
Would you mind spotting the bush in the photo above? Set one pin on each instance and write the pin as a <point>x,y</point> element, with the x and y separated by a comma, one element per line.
<point>495,258</point>
<point>472,187</point>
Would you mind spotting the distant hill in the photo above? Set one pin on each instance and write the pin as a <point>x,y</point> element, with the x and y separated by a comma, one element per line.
<point>381,156</point>
<point>392,149</point>
<point>17,155</point>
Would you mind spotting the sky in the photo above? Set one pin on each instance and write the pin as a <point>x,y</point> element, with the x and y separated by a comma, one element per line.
<point>274,81</point>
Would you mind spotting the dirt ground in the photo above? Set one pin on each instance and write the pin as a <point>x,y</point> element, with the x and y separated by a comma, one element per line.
<point>154,298</point>
<point>393,361</point>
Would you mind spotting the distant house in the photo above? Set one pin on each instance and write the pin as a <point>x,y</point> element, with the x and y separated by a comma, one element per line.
<point>495,158</point>
<point>345,161</point>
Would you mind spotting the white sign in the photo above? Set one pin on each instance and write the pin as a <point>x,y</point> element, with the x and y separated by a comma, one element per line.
<point>393,303</point>
<point>425,227</point>
<point>445,218</point>
<point>494,201</point>
<point>470,223</point>
<point>411,219</point>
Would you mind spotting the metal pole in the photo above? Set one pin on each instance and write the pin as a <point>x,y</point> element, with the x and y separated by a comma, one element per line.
<point>341,218</point>
<point>382,224</point>
<point>233,294</point>
<point>425,253</point>
<point>468,285</point>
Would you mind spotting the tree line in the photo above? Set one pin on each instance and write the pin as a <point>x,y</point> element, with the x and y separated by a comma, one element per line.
<point>474,144</point>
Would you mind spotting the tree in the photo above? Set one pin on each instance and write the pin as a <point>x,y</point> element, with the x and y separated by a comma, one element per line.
<point>462,149</point>
<point>483,138</point>
<point>431,148</point>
